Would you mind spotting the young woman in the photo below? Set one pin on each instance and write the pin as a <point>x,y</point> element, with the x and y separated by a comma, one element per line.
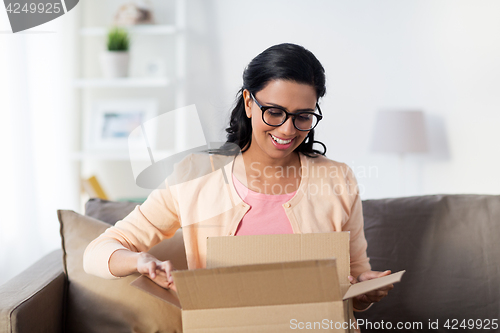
<point>277,184</point>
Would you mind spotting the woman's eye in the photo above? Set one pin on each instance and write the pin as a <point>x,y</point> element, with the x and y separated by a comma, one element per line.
<point>275,112</point>
<point>304,117</point>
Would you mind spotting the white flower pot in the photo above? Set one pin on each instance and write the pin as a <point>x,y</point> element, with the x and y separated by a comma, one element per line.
<point>115,63</point>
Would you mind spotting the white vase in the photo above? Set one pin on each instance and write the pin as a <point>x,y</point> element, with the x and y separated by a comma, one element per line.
<point>115,63</point>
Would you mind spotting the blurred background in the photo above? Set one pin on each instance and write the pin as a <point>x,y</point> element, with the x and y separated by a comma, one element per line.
<point>422,73</point>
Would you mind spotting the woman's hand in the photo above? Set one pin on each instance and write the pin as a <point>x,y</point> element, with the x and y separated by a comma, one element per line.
<point>156,270</point>
<point>362,302</point>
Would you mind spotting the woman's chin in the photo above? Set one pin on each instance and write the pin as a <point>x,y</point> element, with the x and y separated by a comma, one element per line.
<point>280,153</point>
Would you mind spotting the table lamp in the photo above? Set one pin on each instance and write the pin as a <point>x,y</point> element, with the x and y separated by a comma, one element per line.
<point>400,132</point>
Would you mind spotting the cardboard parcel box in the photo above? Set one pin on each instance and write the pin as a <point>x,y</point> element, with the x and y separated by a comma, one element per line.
<point>269,283</point>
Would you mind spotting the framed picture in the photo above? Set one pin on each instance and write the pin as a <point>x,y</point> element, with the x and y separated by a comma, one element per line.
<point>117,124</point>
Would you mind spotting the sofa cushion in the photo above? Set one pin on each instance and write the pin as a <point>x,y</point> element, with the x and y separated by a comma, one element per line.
<point>448,245</point>
<point>108,211</point>
<point>99,305</point>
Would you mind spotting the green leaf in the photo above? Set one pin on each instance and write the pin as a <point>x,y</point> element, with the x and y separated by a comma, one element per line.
<point>118,39</point>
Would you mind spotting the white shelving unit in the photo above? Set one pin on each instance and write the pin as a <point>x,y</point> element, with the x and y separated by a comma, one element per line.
<point>113,156</point>
<point>111,164</point>
<point>129,82</point>
<point>142,29</point>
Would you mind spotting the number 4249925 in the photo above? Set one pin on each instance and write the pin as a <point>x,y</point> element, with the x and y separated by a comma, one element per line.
<point>478,324</point>
<point>47,8</point>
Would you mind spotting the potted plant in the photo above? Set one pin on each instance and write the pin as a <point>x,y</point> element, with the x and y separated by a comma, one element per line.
<point>115,59</point>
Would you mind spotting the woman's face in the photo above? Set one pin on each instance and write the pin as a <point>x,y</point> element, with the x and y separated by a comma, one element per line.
<point>293,97</point>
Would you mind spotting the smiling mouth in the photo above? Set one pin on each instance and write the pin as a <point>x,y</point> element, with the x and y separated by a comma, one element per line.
<point>281,141</point>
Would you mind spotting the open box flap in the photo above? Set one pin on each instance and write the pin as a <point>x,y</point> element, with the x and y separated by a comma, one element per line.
<point>258,285</point>
<point>243,250</point>
<point>369,285</point>
<point>167,295</point>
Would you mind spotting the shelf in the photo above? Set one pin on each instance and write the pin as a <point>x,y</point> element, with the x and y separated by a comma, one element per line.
<point>167,41</point>
<point>138,29</point>
<point>105,156</point>
<point>130,82</point>
<point>120,155</point>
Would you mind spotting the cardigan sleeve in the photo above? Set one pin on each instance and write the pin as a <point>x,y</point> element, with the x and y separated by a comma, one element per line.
<point>355,225</point>
<point>147,225</point>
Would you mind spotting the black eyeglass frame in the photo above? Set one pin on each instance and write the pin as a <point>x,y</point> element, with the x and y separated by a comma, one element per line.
<point>288,114</point>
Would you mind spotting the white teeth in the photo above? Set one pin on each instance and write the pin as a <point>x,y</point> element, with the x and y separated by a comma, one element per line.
<point>282,142</point>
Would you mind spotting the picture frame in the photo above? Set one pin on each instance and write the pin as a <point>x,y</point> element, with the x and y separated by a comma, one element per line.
<point>114,125</point>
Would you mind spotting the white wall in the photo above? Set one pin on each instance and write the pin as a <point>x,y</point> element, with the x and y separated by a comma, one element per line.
<point>437,56</point>
<point>442,57</point>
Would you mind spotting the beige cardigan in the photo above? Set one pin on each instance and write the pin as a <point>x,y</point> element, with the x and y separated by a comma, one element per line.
<point>327,200</point>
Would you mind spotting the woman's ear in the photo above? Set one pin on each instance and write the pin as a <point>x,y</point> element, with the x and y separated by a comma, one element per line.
<point>247,99</point>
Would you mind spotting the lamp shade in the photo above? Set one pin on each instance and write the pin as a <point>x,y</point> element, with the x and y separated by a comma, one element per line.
<point>399,132</point>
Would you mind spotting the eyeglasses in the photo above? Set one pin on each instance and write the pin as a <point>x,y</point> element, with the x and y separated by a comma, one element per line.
<point>276,116</point>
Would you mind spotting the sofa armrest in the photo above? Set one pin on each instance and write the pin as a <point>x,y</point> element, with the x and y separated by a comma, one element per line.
<point>33,300</point>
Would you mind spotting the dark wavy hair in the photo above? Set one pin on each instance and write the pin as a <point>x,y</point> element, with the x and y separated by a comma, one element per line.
<point>279,62</point>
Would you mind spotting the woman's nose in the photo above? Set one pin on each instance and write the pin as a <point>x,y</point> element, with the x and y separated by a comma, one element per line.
<point>287,127</point>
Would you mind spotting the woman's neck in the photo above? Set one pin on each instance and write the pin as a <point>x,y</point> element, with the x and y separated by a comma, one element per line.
<point>256,172</point>
<point>259,161</point>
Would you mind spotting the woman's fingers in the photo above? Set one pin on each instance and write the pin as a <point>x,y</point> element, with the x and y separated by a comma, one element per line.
<point>369,275</point>
<point>378,294</point>
<point>156,270</point>
<point>168,269</point>
<point>374,295</point>
<point>152,269</point>
<point>160,273</point>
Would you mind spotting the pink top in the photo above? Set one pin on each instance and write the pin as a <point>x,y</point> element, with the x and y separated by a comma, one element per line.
<point>266,215</point>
